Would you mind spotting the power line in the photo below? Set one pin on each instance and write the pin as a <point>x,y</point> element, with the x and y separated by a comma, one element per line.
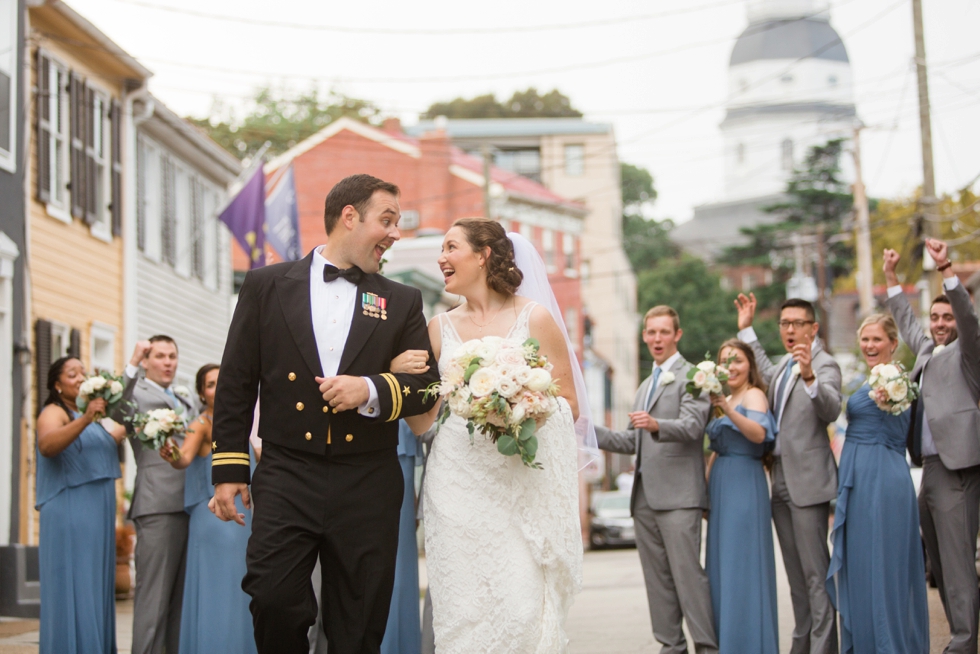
<point>421,31</point>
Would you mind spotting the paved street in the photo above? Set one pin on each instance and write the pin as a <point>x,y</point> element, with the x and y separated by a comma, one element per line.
<point>608,617</point>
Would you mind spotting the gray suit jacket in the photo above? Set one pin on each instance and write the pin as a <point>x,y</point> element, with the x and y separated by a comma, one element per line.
<point>804,443</point>
<point>952,388</point>
<point>670,463</point>
<point>159,487</point>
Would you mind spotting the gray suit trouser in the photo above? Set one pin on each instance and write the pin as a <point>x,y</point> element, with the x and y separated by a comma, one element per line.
<point>669,544</point>
<point>802,533</point>
<point>949,501</point>
<point>161,555</point>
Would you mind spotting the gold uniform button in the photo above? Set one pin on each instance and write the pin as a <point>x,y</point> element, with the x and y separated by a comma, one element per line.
<point>326,409</point>
<point>350,437</point>
<point>292,376</point>
<point>300,406</point>
<point>309,436</point>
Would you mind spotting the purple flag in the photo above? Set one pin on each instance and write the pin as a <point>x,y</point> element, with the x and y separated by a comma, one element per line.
<point>245,217</point>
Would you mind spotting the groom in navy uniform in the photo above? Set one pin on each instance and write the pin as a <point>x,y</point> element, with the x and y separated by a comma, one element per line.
<point>314,339</point>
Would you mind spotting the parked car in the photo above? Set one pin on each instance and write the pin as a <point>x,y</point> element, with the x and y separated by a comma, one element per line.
<point>610,520</point>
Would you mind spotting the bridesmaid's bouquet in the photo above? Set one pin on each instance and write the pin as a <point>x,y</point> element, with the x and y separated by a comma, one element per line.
<point>708,376</point>
<point>102,385</point>
<point>891,388</point>
<point>502,387</point>
<point>158,427</point>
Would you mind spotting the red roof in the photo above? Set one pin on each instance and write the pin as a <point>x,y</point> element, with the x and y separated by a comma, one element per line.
<point>517,184</point>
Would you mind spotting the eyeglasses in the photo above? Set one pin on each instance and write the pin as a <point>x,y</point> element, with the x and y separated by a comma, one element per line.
<point>795,324</point>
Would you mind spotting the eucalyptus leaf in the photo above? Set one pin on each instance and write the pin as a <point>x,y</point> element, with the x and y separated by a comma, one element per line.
<point>528,427</point>
<point>531,446</point>
<point>473,367</point>
<point>506,445</point>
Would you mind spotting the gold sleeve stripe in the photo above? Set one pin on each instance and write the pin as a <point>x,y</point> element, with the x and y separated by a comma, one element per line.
<point>393,387</point>
<point>398,396</point>
<point>230,455</point>
<point>229,462</point>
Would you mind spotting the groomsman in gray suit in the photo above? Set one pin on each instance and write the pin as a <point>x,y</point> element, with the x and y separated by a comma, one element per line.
<point>669,490</point>
<point>945,439</point>
<point>804,395</point>
<point>157,506</point>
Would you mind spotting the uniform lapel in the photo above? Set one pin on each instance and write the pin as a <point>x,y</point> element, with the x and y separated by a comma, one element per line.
<point>293,290</point>
<point>660,387</point>
<point>363,324</point>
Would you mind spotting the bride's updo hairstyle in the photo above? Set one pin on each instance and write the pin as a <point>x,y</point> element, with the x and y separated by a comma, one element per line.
<point>503,275</point>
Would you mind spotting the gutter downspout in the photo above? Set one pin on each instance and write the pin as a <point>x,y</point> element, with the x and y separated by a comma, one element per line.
<point>131,121</point>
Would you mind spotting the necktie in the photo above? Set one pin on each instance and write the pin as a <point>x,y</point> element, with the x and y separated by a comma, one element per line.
<point>782,389</point>
<point>352,274</point>
<point>653,387</point>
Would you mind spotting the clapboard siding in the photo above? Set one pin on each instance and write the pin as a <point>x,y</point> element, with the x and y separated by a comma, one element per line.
<point>193,315</point>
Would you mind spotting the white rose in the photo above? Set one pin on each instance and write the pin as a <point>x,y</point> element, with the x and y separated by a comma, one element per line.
<point>939,348</point>
<point>795,372</point>
<point>85,390</point>
<point>151,428</point>
<point>706,366</point>
<point>539,380</point>
<point>889,371</point>
<point>517,413</point>
<point>483,382</point>
<point>182,391</point>
<point>699,379</point>
<point>98,383</point>
<point>115,387</point>
<point>897,390</point>
<point>715,387</point>
<point>507,387</point>
<point>486,351</point>
<point>511,357</point>
<point>666,378</point>
<point>459,405</point>
<point>523,375</point>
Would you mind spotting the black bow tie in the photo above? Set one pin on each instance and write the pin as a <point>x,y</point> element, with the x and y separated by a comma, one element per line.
<point>352,274</point>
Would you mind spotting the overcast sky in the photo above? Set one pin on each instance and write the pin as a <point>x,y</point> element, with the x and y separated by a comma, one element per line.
<point>655,69</point>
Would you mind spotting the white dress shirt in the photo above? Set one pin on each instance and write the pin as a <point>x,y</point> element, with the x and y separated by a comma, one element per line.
<point>928,443</point>
<point>332,305</point>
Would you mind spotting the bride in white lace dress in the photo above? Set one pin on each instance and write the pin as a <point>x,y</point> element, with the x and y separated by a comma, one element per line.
<point>503,541</point>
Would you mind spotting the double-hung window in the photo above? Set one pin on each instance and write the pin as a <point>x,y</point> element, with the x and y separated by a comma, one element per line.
<point>9,46</point>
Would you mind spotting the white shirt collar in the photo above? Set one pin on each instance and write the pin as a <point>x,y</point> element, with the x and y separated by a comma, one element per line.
<point>669,363</point>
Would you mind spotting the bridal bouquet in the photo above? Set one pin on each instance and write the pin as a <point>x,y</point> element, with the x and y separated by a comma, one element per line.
<point>102,385</point>
<point>155,428</point>
<point>502,388</point>
<point>891,388</point>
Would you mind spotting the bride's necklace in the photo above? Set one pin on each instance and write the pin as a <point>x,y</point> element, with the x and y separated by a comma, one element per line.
<point>499,309</point>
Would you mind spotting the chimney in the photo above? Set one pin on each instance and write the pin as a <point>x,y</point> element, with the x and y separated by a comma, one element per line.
<point>392,125</point>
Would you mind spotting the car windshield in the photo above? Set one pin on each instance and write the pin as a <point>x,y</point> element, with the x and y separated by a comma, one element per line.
<point>613,503</point>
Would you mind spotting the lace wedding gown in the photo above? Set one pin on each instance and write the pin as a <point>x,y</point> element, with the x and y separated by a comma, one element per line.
<point>503,542</point>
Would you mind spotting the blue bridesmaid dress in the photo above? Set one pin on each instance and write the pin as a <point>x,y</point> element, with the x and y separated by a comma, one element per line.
<point>76,495</point>
<point>403,634</point>
<point>877,559</point>
<point>741,563</point>
<point>215,617</point>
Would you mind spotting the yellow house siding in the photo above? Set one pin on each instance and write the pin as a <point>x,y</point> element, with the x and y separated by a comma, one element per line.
<point>76,278</point>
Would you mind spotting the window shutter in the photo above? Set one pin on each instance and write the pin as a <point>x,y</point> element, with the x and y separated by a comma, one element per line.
<point>75,344</point>
<point>197,227</point>
<point>140,195</point>
<point>76,100</point>
<point>169,226</point>
<point>42,353</point>
<point>43,128</point>
<point>92,190</point>
<point>116,163</point>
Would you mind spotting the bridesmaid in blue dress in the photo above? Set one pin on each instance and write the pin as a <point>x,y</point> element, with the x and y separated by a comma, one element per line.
<point>877,558</point>
<point>741,564</point>
<point>215,617</point>
<point>76,495</point>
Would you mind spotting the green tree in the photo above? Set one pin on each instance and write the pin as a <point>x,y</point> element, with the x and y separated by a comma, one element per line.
<point>522,104</point>
<point>281,119</point>
<point>646,241</point>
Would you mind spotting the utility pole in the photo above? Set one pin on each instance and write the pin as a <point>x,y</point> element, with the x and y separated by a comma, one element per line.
<point>487,163</point>
<point>862,231</point>
<point>930,204</point>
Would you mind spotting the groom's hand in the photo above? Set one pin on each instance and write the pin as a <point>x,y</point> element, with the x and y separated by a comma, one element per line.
<point>344,392</point>
<point>223,502</point>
